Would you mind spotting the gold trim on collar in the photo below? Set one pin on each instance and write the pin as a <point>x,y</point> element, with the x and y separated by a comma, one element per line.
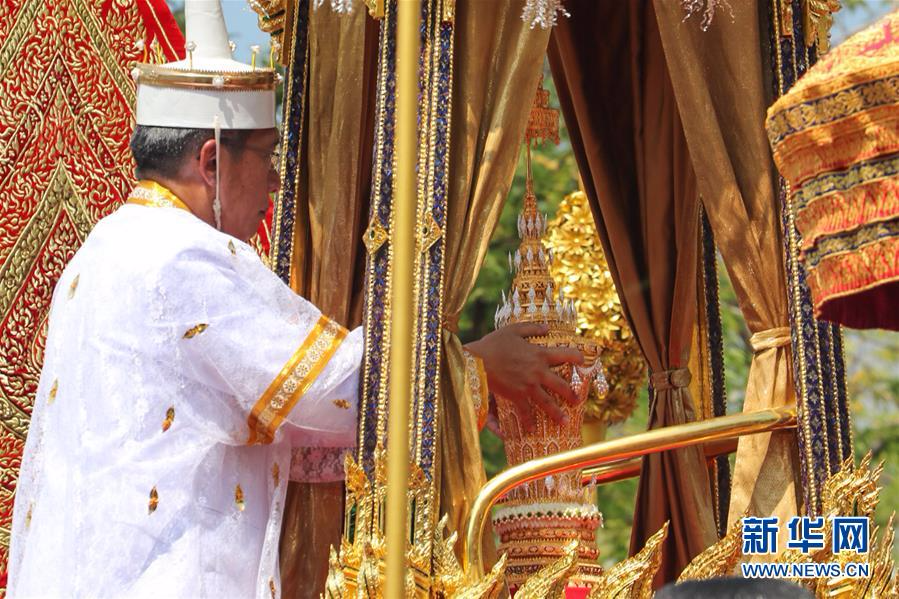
<point>294,380</point>
<point>151,193</point>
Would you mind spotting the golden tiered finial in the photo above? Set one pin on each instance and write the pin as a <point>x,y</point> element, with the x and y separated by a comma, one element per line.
<point>537,520</point>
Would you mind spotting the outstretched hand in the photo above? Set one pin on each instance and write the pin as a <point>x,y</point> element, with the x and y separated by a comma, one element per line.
<point>521,371</point>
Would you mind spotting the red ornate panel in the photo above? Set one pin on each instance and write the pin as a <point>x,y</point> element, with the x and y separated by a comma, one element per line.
<point>66,99</point>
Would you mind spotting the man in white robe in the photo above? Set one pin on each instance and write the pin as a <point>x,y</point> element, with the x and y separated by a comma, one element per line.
<point>179,371</point>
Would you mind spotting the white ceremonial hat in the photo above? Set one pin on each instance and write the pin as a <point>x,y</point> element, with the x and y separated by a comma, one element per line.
<point>209,89</point>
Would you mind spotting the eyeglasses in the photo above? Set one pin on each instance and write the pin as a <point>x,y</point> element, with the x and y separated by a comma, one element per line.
<point>274,154</point>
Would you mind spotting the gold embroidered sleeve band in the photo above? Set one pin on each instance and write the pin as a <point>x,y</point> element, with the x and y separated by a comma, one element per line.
<point>294,380</point>
<point>476,383</point>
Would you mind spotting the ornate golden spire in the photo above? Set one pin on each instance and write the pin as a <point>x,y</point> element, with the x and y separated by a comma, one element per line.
<point>537,520</point>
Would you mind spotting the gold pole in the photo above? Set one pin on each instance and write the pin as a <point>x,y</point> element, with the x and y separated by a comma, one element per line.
<point>401,297</point>
<point>654,441</point>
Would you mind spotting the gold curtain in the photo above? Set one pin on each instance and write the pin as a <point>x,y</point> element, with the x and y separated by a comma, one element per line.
<point>718,81</point>
<point>497,64</point>
<point>625,130</point>
<point>328,255</point>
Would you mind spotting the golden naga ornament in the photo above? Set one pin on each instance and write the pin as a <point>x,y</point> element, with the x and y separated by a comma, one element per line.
<point>632,578</point>
<point>720,559</point>
<point>579,264</point>
<point>357,569</point>
<point>852,491</point>
<point>537,521</point>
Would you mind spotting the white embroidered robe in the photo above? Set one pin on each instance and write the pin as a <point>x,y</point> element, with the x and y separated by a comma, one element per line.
<point>178,374</point>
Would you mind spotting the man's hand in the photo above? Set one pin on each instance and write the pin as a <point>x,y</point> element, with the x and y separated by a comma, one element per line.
<point>521,371</point>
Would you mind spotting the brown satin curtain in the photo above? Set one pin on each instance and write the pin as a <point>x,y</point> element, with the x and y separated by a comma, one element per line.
<point>718,81</point>
<point>497,64</point>
<point>329,258</point>
<point>616,95</point>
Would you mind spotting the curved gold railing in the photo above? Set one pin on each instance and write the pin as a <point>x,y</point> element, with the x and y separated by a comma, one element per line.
<point>613,457</point>
<point>631,467</point>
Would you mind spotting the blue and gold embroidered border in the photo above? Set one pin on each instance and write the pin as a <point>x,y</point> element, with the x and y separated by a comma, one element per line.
<point>828,109</point>
<point>817,347</point>
<point>284,215</point>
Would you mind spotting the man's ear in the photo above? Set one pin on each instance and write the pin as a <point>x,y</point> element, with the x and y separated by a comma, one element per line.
<point>206,163</point>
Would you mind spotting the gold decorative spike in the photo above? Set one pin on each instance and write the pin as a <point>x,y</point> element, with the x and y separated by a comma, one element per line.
<point>335,587</point>
<point>817,21</point>
<point>449,11</point>
<point>356,570</point>
<point>447,573</point>
<point>271,588</point>
<point>276,474</point>
<point>429,234</point>
<point>489,587</point>
<point>718,560</point>
<point>852,491</point>
<point>375,236</point>
<point>195,330</point>
<point>368,580</point>
<point>154,501</point>
<point>375,8</point>
<point>786,18</point>
<point>74,286</point>
<point>632,578</point>
<point>232,248</point>
<point>238,498</point>
<point>342,404</point>
<point>169,418</point>
<point>53,391</point>
<point>551,580</point>
<point>883,571</point>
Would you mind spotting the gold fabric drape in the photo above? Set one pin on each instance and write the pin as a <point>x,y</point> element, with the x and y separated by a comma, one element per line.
<point>328,255</point>
<point>616,95</point>
<point>717,76</point>
<point>497,64</point>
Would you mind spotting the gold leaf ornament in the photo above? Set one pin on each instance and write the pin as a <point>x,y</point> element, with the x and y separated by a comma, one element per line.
<point>74,286</point>
<point>154,501</point>
<point>195,330</point>
<point>53,391</point>
<point>169,418</point>
<point>239,499</point>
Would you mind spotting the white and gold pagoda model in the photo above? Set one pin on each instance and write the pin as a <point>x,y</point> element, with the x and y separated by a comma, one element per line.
<point>537,521</point>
